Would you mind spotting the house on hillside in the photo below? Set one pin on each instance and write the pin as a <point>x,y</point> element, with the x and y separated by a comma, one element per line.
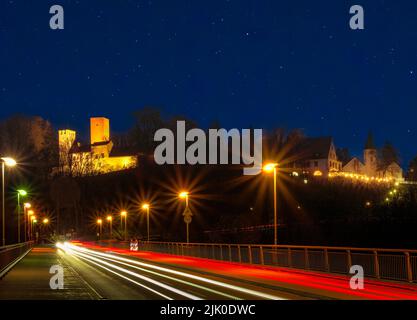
<point>316,156</point>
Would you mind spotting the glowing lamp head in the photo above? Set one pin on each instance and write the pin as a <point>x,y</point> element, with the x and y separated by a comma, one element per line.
<point>27,205</point>
<point>270,167</point>
<point>10,162</point>
<point>145,206</point>
<point>31,212</point>
<point>99,221</point>
<point>45,221</point>
<point>123,213</point>
<point>183,194</point>
<point>22,193</point>
<point>109,218</point>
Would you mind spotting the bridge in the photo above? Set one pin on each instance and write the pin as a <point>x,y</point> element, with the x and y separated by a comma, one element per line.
<point>109,270</point>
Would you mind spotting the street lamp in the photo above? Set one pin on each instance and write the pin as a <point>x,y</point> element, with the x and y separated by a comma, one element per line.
<point>30,217</point>
<point>110,220</point>
<point>100,224</point>
<point>123,214</point>
<point>20,193</point>
<point>5,162</point>
<point>26,206</point>
<point>33,222</point>
<point>272,168</point>
<point>184,195</point>
<point>146,207</point>
<point>187,212</point>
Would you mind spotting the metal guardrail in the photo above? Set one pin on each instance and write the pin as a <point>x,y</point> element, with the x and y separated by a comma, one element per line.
<point>10,255</point>
<point>391,264</point>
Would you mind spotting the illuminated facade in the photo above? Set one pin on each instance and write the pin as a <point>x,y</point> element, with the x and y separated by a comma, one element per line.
<point>370,167</point>
<point>98,157</point>
<point>316,156</point>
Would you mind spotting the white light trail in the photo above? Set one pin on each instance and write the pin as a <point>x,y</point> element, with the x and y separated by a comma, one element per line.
<point>179,273</point>
<point>72,250</point>
<point>174,279</point>
<point>126,278</point>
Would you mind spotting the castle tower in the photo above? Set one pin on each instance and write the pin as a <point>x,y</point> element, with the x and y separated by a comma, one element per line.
<point>66,139</point>
<point>370,157</point>
<point>99,130</point>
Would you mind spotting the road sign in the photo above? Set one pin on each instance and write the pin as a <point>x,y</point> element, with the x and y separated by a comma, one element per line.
<point>188,219</point>
<point>188,215</point>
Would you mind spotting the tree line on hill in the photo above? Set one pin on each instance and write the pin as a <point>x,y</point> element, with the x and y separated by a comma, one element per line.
<point>226,205</point>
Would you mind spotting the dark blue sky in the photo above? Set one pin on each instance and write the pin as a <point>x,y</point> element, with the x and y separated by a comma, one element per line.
<point>245,63</point>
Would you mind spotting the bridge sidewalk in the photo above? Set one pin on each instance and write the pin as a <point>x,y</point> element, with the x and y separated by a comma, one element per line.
<point>29,279</point>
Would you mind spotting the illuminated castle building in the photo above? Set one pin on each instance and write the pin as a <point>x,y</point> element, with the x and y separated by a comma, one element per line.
<point>98,157</point>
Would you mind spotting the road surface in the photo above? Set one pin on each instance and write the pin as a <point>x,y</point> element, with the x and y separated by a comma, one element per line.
<point>92,272</point>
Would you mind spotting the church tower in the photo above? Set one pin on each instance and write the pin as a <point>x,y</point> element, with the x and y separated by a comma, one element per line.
<point>370,157</point>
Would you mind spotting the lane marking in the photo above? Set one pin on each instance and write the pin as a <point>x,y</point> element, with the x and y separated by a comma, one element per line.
<point>155,282</point>
<point>64,261</point>
<point>126,278</point>
<point>214,282</point>
<point>175,279</point>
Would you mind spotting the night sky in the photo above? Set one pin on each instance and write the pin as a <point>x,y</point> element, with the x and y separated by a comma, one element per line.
<point>293,64</point>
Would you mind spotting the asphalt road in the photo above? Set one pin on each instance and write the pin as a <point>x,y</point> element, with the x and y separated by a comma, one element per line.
<point>99,273</point>
<point>90,274</point>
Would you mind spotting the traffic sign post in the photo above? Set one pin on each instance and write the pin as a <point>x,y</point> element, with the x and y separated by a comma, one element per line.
<point>188,218</point>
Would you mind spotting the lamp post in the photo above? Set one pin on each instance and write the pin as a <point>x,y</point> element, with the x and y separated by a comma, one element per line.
<point>110,220</point>
<point>45,223</point>
<point>187,213</point>
<point>9,162</point>
<point>30,225</point>
<point>33,222</point>
<point>272,168</point>
<point>20,193</point>
<point>146,207</point>
<point>123,214</point>
<point>26,206</point>
<point>100,226</point>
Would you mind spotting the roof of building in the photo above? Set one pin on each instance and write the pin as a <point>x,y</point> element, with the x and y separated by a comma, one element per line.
<point>312,148</point>
<point>116,151</point>
<point>353,159</point>
<point>384,167</point>
<point>77,147</point>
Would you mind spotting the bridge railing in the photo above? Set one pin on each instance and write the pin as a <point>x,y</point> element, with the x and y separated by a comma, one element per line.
<point>392,264</point>
<point>9,255</point>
